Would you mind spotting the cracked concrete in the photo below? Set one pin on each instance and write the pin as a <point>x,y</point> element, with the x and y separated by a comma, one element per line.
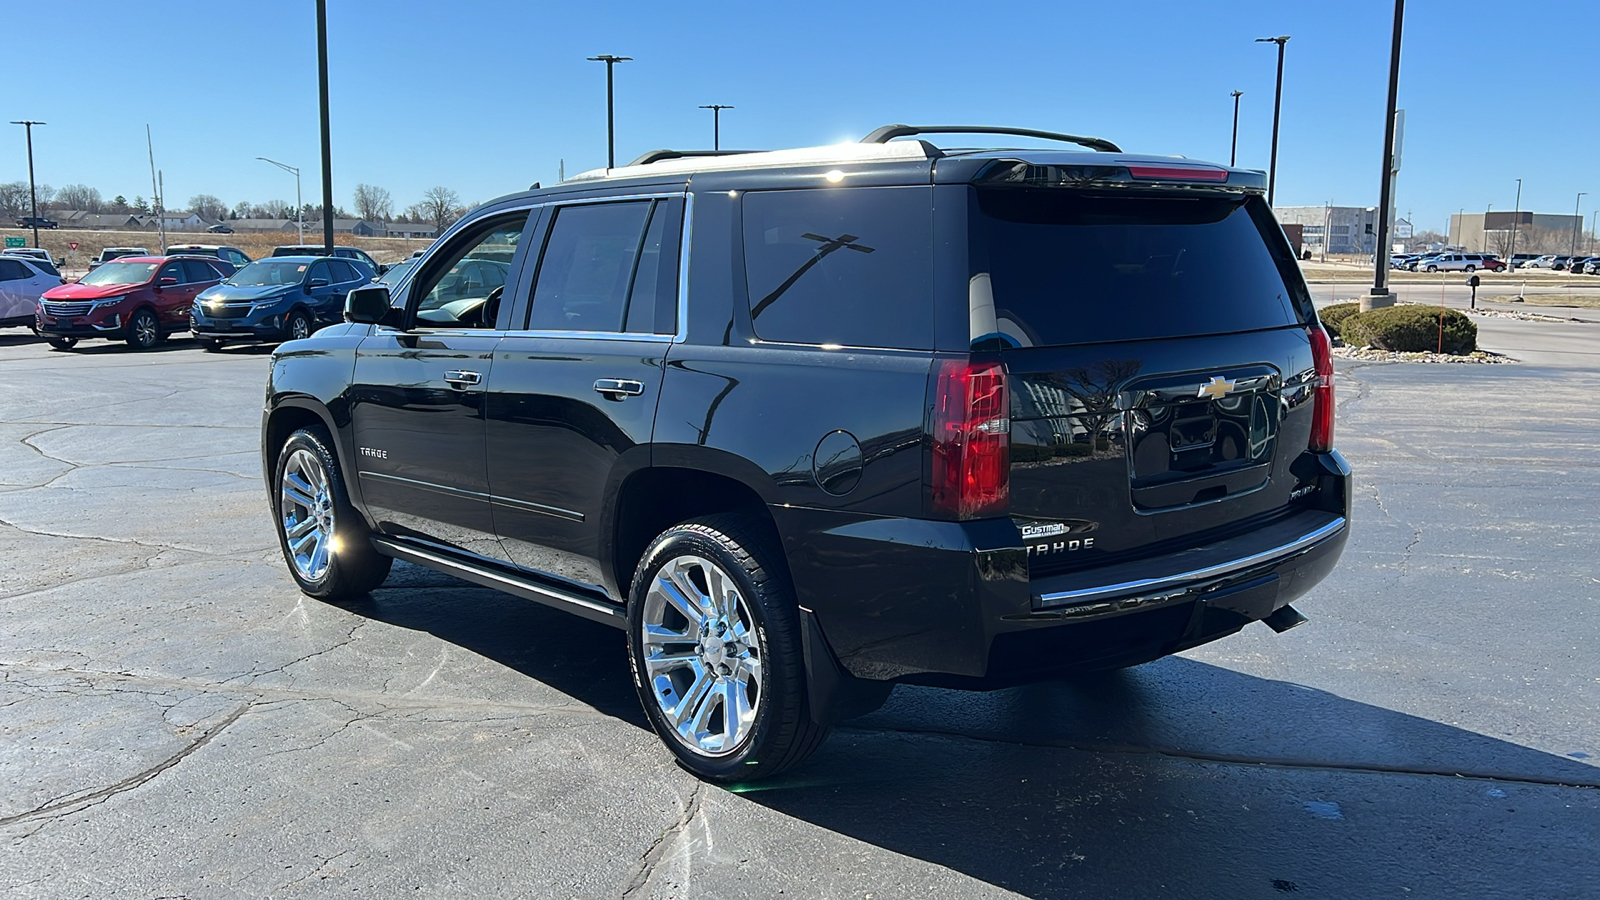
<point>177,720</point>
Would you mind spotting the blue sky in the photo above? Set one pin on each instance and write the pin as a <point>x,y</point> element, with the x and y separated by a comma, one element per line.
<point>486,96</point>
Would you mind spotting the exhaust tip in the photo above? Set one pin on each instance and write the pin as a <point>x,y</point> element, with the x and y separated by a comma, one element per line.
<point>1285,618</point>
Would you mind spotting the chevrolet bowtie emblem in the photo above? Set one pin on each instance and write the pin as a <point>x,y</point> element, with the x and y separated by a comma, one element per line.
<point>1217,389</point>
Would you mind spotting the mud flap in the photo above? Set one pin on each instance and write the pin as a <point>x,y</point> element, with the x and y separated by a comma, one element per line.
<point>833,694</point>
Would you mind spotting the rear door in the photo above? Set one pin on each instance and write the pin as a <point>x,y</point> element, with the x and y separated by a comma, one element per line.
<point>417,402</point>
<point>573,396</point>
<point>1156,344</point>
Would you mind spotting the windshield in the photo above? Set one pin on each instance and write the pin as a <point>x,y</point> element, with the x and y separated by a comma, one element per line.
<point>120,273</point>
<point>395,271</point>
<point>269,272</point>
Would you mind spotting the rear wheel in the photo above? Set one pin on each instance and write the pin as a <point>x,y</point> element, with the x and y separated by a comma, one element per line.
<point>62,343</point>
<point>144,331</point>
<point>1471,269</point>
<point>325,541</point>
<point>714,639</point>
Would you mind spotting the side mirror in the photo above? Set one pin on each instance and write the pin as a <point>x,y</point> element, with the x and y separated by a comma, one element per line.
<point>166,282</point>
<point>367,305</point>
<point>315,283</point>
<point>382,268</point>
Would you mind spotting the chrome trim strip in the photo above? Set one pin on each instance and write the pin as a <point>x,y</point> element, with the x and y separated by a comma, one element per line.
<point>589,609</point>
<point>1147,585</point>
<point>512,502</point>
<point>589,335</point>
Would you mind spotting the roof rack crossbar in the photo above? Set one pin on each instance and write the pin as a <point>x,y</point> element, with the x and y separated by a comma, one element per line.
<point>889,132</point>
<point>660,155</point>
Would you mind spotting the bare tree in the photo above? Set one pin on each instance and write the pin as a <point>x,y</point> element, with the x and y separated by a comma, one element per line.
<point>273,209</point>
<point>208,207</point>
<point>440,206</point>
<point>373,203</point>
<point>79,196</point>
<point>14,200</point>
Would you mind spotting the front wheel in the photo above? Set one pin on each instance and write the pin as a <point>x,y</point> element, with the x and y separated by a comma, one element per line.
<point>714,641</point>
<point>1471,269</point>
<point>144,330</point>
<point>62,343</point>
<point>1433,268</point>
<point>298,326</point>
<point>325,541</point>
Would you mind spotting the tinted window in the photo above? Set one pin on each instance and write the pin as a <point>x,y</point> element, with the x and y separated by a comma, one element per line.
<point>1066,267</point>
<point>172,270</point>
<point>196,270</point>
<point>343,271</point>
<point>656,269</point>
<point>588,267</point>
<point>852,267</point>
<point>11,270</point>
<point>319,270</point>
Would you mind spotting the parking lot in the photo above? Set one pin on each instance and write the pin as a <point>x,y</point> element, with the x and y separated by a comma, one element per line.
<point>181,721</point>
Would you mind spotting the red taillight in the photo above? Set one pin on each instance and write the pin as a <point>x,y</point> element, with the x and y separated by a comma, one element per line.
<point>1178,173</point>
<point>1322,393</point>
<point>971,440</point>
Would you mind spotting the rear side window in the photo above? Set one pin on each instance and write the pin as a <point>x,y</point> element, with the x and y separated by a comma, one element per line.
<point>342,271</point>
<point>195,270</point>
<point>590,269</point>
<point>842,266</point>
<point>1068,267</point>
<point>10,270</point>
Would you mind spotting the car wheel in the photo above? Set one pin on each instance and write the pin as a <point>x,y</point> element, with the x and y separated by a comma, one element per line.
<point>298,326</point>
<point>1471,269</point>
<point>144,331</point>
<point>714,642</point>
<point>1433,268</point>
<point>62,343</point>
<point>325,541</point>
<point>210,345</point>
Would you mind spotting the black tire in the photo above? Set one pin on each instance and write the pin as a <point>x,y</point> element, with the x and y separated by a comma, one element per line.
<point>62,343</point>
<point>210,345</point>
<point>144,329</point>
<point>352,567</point>
<point>296,325</point>
<point>1471,269</point>
<point>781,733</point>
<point>1433,268</point>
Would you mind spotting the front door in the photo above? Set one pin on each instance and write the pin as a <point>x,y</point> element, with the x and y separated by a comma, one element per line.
<point>572,400</point>
<point>417,400</point>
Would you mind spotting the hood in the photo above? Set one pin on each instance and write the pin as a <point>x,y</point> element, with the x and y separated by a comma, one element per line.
<point>89,291</point>
<point>234,293</point>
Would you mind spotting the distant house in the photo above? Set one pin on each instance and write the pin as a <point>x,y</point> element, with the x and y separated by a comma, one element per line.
<point>77,218</point>
<point>173,221</point>
<point>256,226</point>
<point>359,227</point>
<point>409,230</point>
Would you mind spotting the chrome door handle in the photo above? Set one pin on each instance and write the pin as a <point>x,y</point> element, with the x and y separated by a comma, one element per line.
<point>461,378</point>
<point>618,388</point>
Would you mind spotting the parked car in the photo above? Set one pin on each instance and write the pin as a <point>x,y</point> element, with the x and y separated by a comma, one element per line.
<point>36,222</point>
<point>38,253</point>
<point>1582,265</point>
<point>138,299</point>
<point>842,460</point>
<point>220,228</point>
<point>1544,261</point>
<point>233,255</point>
<point>109,253</point>
<point>22,282</point>
<point>1419,264</point>
<point>1460,262</point>
<point>1560,262</point>
<point>341,252</point>
<point>397,271</point>
<point>1591,266</point>
<point>279,299</point>
<point>1520,260</point>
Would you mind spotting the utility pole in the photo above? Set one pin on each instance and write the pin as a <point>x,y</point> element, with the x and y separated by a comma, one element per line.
<point>1233,154</point>
<point>1577,223</point>
<point>33,190</point>
<point>1515,215</point>
<point>1277,107</point>
<point>327,147</point>
<point>1380,295</point>
<point>157,185</point>
<point>716,125</point>
<point>611,120</point>
<point>299,205</point>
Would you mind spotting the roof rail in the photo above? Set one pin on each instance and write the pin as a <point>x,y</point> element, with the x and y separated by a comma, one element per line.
<point>659,155</point>
<point>889,132</point>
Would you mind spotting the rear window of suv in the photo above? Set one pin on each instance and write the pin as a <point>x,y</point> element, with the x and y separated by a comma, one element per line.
<point>1070,267</point>
<point>847,266</point>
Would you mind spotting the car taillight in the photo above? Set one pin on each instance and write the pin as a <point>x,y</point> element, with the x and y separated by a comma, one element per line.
<point>1322,393</point>
<point>971,440</point>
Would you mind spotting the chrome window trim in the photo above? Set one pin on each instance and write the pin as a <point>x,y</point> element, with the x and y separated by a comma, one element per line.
<point>448,491</point>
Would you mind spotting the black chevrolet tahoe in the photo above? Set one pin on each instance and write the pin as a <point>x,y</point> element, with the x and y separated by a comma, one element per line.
<point>811,423</point>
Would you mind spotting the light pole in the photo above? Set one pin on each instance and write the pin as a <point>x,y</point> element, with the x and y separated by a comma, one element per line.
<point>716,124</point>
<point>1233,154</point>
<point>1515,215</point>
<point>1380,296</point>
<point>1577,224</point>
<point>299,208</point>
<point>33,192</point>
<point>611,121</point>
<point>327,151</point>
<point>1594,236</point>
<point>1277,107</point>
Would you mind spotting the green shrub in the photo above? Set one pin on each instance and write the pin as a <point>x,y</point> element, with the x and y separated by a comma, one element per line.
<point>1332,316</point>
<point>1410,328</point>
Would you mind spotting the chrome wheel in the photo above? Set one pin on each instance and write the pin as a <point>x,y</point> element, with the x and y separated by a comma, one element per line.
<point>702,655</point>
<point>305,514</point>
<point>146,330</point>
<point>298,327</point>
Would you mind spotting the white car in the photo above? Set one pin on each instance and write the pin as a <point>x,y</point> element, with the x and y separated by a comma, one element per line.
<point>1459,262</point>
<point>1543,262</point>
<point>22,282</point>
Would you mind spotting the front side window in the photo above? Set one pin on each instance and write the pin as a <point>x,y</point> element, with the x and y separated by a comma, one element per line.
<point>590,271</point>
<point>852,267</point>
<point>462,285</point>
<point>173,270</point>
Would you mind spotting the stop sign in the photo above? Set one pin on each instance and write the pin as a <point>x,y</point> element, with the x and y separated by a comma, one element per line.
<point>72,245</point>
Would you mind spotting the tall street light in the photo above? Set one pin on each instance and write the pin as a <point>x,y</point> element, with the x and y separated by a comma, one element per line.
<point>716,124</point>
<point>327,150</point>
<point>1380,295</point>
<point>299,208</point>
<point>611,120</point>
<point>1515,215</point>
<point>1233,154</point>
<point>1277,106</point>
<point>33,192</point>
<point>1577,223</point>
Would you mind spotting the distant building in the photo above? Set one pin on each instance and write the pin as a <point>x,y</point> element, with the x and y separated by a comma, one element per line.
<point>256,226</point>
<point>77,218</point>
<point>1491,231</point>
<point>360,227</point>
<point>409,230</point>
<point>1333,229</point>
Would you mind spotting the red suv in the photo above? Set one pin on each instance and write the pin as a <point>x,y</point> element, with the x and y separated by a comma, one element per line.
<point>138,299</point>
